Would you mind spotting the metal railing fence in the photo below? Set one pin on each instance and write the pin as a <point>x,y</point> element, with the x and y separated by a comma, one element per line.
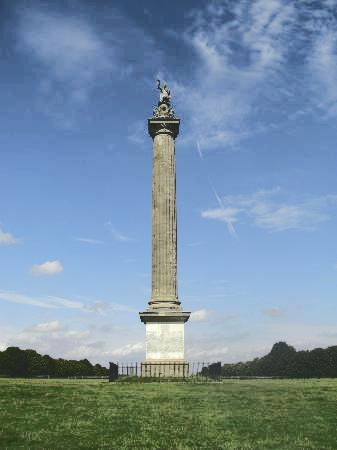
<point>165,371</point>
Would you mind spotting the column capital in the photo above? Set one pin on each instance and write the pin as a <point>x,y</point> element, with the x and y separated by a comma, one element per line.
<point>163,126</point>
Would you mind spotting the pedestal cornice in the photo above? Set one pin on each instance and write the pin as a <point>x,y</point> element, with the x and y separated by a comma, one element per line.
<point>163,126</point>
<point>164,316</point>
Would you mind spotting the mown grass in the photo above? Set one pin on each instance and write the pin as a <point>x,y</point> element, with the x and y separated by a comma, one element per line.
<point>240,414</point>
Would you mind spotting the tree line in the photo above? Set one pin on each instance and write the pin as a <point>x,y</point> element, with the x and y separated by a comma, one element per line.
<point>284,361</point>
<point>15,362</point>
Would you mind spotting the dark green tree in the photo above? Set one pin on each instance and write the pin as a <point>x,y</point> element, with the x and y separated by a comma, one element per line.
<point>14,362</point>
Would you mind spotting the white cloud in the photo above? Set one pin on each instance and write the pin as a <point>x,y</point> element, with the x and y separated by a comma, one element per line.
<point>228,343</point>
<point>68,45</point>
<point>48,268</point>
<point>77,335</point>
<point>7,238</point>
<point>48,337</point>
<point>256,341</point>
<point>88,240</point>
<point>227,215</point>
<point>323,63</point>
<point>79,344</point>
<point>267,209</point>
<point>207,352</point>
<point>128,349</point>
<point>96,340</point>
<point>47,327</point>
<point>200,315</point>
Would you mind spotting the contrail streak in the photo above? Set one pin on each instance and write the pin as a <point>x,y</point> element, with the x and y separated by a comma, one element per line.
<point>229,223</point>
<point>199,151</point>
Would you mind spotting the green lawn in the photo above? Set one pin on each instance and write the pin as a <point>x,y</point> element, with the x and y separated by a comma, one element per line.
<point>240,414</point>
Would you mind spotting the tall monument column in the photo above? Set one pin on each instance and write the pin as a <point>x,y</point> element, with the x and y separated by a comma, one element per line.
<point>164,318</point>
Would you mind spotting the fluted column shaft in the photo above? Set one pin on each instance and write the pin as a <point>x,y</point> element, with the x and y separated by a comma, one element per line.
<point>164,218</point>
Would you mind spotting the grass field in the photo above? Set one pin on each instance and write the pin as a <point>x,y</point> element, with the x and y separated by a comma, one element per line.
<point>240,414</point>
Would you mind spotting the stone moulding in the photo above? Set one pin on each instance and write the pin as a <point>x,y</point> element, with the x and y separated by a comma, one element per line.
<point>164,316</point>
<point>163,126</point>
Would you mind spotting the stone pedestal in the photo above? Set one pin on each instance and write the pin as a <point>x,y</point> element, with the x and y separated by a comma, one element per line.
<point>164,319</point>
<point>164,343</point>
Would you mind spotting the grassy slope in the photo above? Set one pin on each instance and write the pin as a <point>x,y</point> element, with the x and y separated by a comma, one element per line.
<point>252,414</point>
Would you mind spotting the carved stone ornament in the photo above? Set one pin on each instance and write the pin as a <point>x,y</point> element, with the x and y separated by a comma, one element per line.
<point>165,93</point>
<point>163,110</point>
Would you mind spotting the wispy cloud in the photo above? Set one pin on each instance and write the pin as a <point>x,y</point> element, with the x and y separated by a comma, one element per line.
<point>7,238</point>
<point>323,63</point>
<point>54,302</point>
<point>200,316</point>
<point>194,244</point>
<point>48,268</point>
<point>47,327</point>
<point>67,45</point>
<point>269,210</point>
<point>116,234</point>
<point>76,55</point>
<point>14,297</point>
<point>244,53</point>
<point>88,240</point>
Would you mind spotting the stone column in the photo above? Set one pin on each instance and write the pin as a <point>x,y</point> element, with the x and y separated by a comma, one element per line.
<point>164,218</point>
<point>164,317</point>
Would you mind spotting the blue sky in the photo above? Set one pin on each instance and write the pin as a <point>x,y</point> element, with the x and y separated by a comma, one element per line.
<point>255,85</point>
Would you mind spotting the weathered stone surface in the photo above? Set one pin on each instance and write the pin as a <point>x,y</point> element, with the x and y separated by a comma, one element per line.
<point>164,221</point>
<point>164,341</point>
<point>164,317</point>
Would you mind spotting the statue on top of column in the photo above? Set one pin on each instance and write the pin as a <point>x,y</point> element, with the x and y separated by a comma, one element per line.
<point>165,93</point>
<point>164,108</point>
